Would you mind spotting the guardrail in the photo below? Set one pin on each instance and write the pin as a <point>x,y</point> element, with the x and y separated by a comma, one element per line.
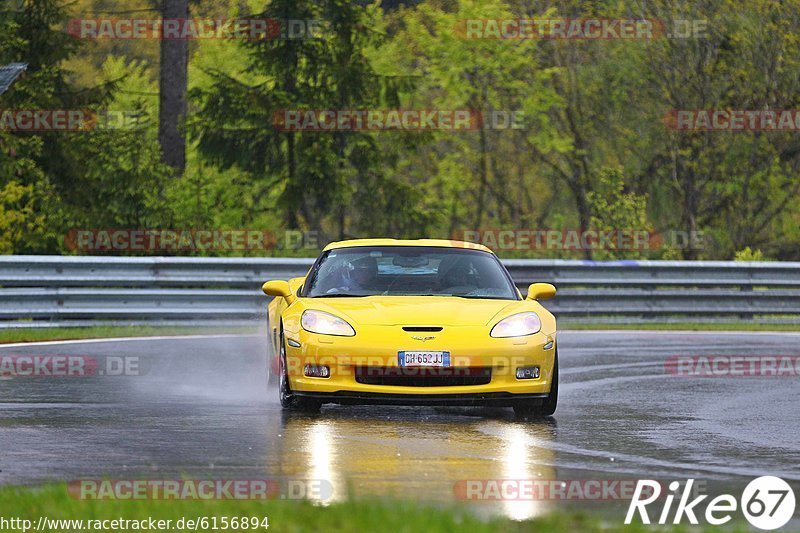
<point>47,290</point>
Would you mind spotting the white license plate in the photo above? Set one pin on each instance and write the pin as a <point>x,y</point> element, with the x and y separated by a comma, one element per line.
<point>423,358</point>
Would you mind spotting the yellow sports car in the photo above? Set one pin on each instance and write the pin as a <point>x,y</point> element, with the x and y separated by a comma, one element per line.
<point>412,322</point>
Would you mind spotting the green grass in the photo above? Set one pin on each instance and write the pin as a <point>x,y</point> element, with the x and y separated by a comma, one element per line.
<point>99,332</point>
<point>284,515</point>
<point>681,326</point>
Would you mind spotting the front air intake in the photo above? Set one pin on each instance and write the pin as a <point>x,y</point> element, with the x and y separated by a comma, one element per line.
<point>399,376</point>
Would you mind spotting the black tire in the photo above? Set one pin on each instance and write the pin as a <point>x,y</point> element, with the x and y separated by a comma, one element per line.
<point>541,408</point>
<point>290,401</point>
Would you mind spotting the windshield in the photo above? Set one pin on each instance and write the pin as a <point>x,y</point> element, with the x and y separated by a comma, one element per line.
<point>409,271</point>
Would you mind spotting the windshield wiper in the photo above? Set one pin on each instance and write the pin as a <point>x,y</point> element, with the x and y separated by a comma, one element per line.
<point>342,295</point>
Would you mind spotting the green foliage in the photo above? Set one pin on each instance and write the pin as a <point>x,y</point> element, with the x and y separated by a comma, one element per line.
<point>591,149</point>
<point>19,218</point>
<point>749,255</point>
<point>318,181</point>
<point>614,209</point>
<point>109,176</point>
<point>484,177</point>
<point>739,184</point>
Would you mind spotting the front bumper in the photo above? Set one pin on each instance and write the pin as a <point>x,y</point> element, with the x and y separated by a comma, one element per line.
<point>502,399</point>
<point>469,348</point>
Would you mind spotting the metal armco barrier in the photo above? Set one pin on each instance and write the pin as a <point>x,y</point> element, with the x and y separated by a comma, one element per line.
<point>45,290</point>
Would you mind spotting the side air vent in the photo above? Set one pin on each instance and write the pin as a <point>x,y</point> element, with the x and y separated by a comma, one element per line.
<point>422,329</point>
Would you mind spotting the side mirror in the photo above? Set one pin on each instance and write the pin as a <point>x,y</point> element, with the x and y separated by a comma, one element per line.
<point>278,288</point>
<point>541,291</point>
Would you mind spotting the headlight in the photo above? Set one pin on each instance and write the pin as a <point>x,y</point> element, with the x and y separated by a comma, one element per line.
<point>518,325</point>
<point>326,324</point>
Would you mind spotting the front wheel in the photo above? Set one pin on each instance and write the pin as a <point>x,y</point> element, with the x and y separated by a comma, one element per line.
<point>290,401</point>
<point>546,407</point>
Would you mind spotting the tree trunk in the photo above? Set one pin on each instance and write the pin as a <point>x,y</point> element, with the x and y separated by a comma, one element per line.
<point>484,179</point>
<point>690,213</point>
<point>172,90</point>
<point>290,213</point>
<point>584,211</point>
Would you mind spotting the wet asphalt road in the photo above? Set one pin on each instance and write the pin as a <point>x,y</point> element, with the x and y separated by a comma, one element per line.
<point>200,410</point>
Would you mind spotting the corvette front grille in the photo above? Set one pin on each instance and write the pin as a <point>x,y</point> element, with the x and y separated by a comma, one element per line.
<point>423,376</point>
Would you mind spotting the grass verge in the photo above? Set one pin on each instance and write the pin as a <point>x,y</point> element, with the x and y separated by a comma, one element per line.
<point>100,332</point>
<point>53,502</point>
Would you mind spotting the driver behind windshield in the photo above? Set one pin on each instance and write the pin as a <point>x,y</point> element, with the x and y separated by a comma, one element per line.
<point>458,279</point>
<point>409,271</point>
<point>357,276</point>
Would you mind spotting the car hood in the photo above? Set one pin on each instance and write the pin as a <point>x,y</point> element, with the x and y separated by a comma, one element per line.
<point>414,310</point>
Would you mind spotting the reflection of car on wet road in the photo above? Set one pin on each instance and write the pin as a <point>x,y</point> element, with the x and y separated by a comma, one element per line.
<point>420,322</point>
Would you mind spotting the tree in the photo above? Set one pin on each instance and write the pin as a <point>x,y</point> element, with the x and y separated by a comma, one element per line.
<point>66,179</point>
<point>474,172</point>
<point>738,186</point>
<point>320,177</point>
<point>592,126</point>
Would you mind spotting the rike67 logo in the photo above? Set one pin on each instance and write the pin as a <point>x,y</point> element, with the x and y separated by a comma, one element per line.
<point>767,502</point>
